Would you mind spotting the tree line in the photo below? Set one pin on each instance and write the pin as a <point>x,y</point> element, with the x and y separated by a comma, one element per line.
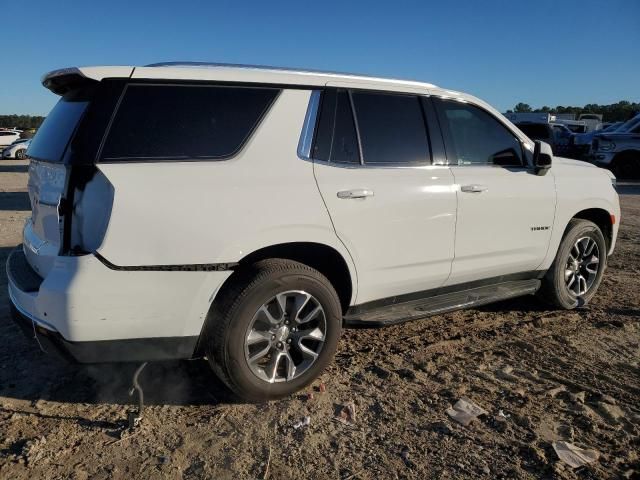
<point>615,112</point>
<point>22,122</point>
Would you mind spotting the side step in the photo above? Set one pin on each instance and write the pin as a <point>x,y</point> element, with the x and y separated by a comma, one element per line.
<point>447,302</point>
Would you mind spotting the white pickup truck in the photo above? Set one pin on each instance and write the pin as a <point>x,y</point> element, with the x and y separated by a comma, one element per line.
<point>247,214</point>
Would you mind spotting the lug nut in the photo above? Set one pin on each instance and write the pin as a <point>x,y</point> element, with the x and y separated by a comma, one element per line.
<point>279,344</point>
<point>286,322</point>
<point>288,340</point>
<point>273,337</point>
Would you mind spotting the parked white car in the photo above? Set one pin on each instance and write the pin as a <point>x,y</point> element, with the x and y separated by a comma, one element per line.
<point>245,214</point>
<point>17,149</point>
<point>8,136</point>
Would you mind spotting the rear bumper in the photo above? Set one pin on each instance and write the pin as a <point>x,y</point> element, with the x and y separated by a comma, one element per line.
<point>129,350</point>
<point>92,313</point>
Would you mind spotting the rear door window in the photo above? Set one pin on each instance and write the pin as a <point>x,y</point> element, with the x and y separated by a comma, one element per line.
<point>336,139</point>
<point>392,128</point>
<point>184,121</point>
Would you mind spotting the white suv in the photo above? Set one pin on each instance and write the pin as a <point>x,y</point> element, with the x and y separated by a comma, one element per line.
<point>245,214</point>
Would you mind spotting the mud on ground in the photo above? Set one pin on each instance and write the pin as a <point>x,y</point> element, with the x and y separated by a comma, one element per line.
<point>541,375</point>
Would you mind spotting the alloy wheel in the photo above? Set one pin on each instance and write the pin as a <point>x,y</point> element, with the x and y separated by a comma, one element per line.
<point>285,336</point>
<point>582,266</point>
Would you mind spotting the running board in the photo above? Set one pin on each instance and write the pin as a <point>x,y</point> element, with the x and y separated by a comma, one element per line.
<point>424,307</point>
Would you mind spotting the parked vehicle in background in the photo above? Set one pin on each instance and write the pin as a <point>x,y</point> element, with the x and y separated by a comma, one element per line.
<point>562,138</point>
<point>8,136</point>
<point>619,150</point>
<point>593,121</point>
<point>298,202</point>
<point>576,126</point>
<point>530,117</point>
<point>17,149</point>
<point>579,144</point>
<point>539,131</point>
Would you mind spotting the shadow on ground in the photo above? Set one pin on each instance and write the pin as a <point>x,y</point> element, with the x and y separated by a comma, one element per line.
<point>15,201</point>
<point>14,168</point>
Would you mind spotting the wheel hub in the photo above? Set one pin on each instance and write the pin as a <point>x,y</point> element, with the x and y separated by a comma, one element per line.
<point>282,333</point>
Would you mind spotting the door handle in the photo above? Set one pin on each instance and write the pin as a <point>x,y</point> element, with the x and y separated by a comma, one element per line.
<point>473,188</point>
<point>357,193</point>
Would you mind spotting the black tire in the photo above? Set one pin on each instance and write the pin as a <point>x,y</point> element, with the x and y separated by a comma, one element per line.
<point>231,315</point>
<point>20,154</point>
<point>554,289</point>
<point>626,165</point>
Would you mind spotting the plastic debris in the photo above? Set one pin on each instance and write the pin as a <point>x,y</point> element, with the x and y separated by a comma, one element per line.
<point>322,388</point>
<point>305,422</point>
<point>465,411</point>
<point>574,456</point>
<point>347,414</point>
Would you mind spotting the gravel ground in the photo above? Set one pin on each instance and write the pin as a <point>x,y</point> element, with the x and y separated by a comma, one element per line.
<point>541,375</point>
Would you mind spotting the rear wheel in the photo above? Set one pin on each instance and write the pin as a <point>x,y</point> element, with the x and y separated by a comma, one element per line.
<point>274,329</point>
<point>576,273</point>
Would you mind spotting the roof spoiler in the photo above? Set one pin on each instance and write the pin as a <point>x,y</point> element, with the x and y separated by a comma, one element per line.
<point>66,79</point>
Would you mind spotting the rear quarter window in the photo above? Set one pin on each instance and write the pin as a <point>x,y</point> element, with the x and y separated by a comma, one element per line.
<point>184,121</point>
<point>53,136</point>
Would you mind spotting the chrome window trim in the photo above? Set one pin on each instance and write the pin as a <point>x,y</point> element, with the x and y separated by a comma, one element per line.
<point>309,126</point>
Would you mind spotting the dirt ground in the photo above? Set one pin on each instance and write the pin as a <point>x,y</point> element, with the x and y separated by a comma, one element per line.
<point>541,375</point>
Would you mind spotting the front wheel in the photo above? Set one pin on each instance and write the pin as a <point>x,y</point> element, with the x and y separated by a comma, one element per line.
<point>576,273</point>
<point>20,154</point>
<point>274,329</point>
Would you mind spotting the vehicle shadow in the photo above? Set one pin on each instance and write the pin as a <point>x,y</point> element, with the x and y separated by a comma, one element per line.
<point>14,168</point>
<point>27,373</point>
<point>15,201</point>
<point>527,304</point>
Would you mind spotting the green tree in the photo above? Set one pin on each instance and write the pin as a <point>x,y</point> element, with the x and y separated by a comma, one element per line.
<point>522,108</point>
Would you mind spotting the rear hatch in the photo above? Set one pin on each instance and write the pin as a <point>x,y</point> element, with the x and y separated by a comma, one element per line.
<point>48,179</point>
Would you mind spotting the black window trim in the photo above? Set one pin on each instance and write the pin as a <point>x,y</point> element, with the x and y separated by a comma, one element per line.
<point>448,140</point>
<point>232,155</point>
<point>430,130</point>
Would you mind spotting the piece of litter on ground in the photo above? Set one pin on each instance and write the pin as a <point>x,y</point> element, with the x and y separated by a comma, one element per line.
<point>574,456</point>
<point>347,414</point>
<point>305,422</point>
<point>464,411</point>
<point>502,414</point>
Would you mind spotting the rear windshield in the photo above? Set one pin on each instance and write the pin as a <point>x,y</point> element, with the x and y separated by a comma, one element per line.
<point>534,130</point>
<point>53,136</point>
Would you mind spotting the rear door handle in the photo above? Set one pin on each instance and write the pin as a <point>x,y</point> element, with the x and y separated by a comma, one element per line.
<point>357,193</point>
<point>473,188</point>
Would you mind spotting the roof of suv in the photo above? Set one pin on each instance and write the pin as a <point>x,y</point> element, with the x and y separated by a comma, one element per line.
<point>61,81</point>
<point>236,73</point>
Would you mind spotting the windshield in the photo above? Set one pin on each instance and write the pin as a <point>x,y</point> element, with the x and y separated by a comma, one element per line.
<point>629,124</point>
<point>53,136</point>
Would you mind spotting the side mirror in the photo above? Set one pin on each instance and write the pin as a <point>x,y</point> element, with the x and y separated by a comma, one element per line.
<point>542,157</point>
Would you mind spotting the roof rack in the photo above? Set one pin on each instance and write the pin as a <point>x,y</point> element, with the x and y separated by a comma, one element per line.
<point>269,67</point>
